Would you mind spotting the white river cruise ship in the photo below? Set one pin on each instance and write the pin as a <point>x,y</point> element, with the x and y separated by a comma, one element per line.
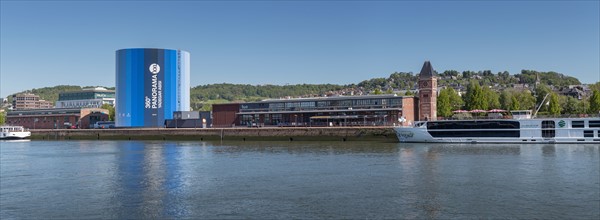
<point>516,130</point>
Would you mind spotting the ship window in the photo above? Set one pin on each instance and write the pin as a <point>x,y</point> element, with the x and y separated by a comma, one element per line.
<point>548,129</point>
<point>453,125</point>
<point>577,124</point>
<point>478,133</point>
<point>594,124</point>
<point>588,133</point>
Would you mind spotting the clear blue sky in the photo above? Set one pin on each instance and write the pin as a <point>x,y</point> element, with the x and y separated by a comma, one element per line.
<point>272,42</point>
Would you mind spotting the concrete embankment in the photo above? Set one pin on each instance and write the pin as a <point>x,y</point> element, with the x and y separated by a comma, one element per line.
<point>384,134</point>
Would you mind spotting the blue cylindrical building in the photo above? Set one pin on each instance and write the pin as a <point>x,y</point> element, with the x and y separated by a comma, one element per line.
<point>151,85</point>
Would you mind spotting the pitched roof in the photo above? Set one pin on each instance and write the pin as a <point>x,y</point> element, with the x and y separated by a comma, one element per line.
<point>427,71</point>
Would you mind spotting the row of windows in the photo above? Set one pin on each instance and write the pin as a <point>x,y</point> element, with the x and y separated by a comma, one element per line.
<point>484,133</point>
<point>392,102</point>
<point>95,103</point>
<point>39,120</point>
<point>588,133</point>
<point>581,124</point>
<point>27,98</point>
<point>86,95</point>
<point>473,125</point>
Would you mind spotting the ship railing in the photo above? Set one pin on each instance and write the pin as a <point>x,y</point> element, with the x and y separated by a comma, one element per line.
<point>476,117</point>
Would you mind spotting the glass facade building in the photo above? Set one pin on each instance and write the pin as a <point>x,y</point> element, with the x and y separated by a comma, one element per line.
<point>151,84</point>
<point>89,98</point>
<point>372,110</point>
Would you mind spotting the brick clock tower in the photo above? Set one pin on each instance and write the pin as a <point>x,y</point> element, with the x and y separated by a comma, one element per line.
<point>427,93</point>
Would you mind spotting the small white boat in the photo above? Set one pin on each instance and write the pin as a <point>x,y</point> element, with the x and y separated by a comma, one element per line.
<point>13,132</point>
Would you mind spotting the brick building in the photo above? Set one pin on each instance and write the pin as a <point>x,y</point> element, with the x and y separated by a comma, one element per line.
<point>56,118</point>
<point>427,93</point>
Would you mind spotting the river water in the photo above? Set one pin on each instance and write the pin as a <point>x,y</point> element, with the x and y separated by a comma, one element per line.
<point>301,180</point>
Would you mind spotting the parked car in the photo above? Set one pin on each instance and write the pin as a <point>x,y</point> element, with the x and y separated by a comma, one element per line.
<point>104,124</point>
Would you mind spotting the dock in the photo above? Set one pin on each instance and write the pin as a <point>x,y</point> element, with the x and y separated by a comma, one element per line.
<point>383,134</point>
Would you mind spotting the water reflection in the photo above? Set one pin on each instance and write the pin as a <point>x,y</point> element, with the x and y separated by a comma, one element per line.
<point>305,180</point>
<point>324,148</point>
<point>475,149</point>
<point>549,150</point>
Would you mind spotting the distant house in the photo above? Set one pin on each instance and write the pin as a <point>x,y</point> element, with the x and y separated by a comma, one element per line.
<point>575,92</point>
<point>520,86</point>
<point>26,101</point>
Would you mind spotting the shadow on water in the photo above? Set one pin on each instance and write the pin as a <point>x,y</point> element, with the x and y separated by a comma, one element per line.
<point>306,147</point>
<point>496,149</point>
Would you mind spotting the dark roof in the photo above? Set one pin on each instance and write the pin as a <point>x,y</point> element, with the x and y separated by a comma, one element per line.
<point>313,99</point>
<point>427,71</point>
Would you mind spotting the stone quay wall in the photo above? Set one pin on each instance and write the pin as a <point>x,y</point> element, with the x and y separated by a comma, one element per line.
<point>385,134</point>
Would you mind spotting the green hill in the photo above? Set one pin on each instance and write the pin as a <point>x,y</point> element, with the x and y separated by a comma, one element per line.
<point>51,93</point>
<point>203,96</point>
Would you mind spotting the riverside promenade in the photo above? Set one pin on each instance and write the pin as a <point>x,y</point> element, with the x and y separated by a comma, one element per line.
<point>384,134</point>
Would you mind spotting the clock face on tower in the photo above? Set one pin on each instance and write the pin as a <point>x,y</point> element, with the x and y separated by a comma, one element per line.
<point>425,84</point>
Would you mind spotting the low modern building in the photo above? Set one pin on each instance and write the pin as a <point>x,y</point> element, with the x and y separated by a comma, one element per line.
<point>372,110</point>
<point>225,115</point>
<point>56,117</point>
<point>86,98</point>
<point>189,119</point>
<point>25,101</point>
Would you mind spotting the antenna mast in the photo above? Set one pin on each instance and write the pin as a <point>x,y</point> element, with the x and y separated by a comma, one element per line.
<point>540,106</point>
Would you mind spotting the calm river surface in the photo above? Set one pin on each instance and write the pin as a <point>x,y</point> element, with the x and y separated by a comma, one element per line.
<point>301,180</point>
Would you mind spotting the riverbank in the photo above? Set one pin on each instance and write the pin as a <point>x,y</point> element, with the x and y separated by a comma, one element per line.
<point>384,134</point>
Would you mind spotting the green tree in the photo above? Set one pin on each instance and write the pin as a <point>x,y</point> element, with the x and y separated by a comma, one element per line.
<point>455,100</point>
<point>475,97</point>
<point>2,118</point>
<point>377,91</point>
<point>554,106</point>
<point>493,99</point>
<point>571,106</point>
<point>595,102</point>
<point>541,91</point>
<point>444,107</point>
<point>595,86</point>
<point>467,74</point>
<point>450,73</point>
<point>111,111</point>
<point>526,100</point>
<point>514,103</point>
<point>584,106</point>
<point>505,100</point>
<point>409,93</point>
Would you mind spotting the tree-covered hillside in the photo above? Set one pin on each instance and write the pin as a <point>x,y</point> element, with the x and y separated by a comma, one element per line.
<point>51,93</point>
<point>546,78</point>
<point>203,96</point>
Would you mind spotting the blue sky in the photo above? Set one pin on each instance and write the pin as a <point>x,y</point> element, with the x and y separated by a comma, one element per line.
<point>271,42</point>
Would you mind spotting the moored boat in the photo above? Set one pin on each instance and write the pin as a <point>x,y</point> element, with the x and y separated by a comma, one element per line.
<point>547,130</point>
<point>13,132</point>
